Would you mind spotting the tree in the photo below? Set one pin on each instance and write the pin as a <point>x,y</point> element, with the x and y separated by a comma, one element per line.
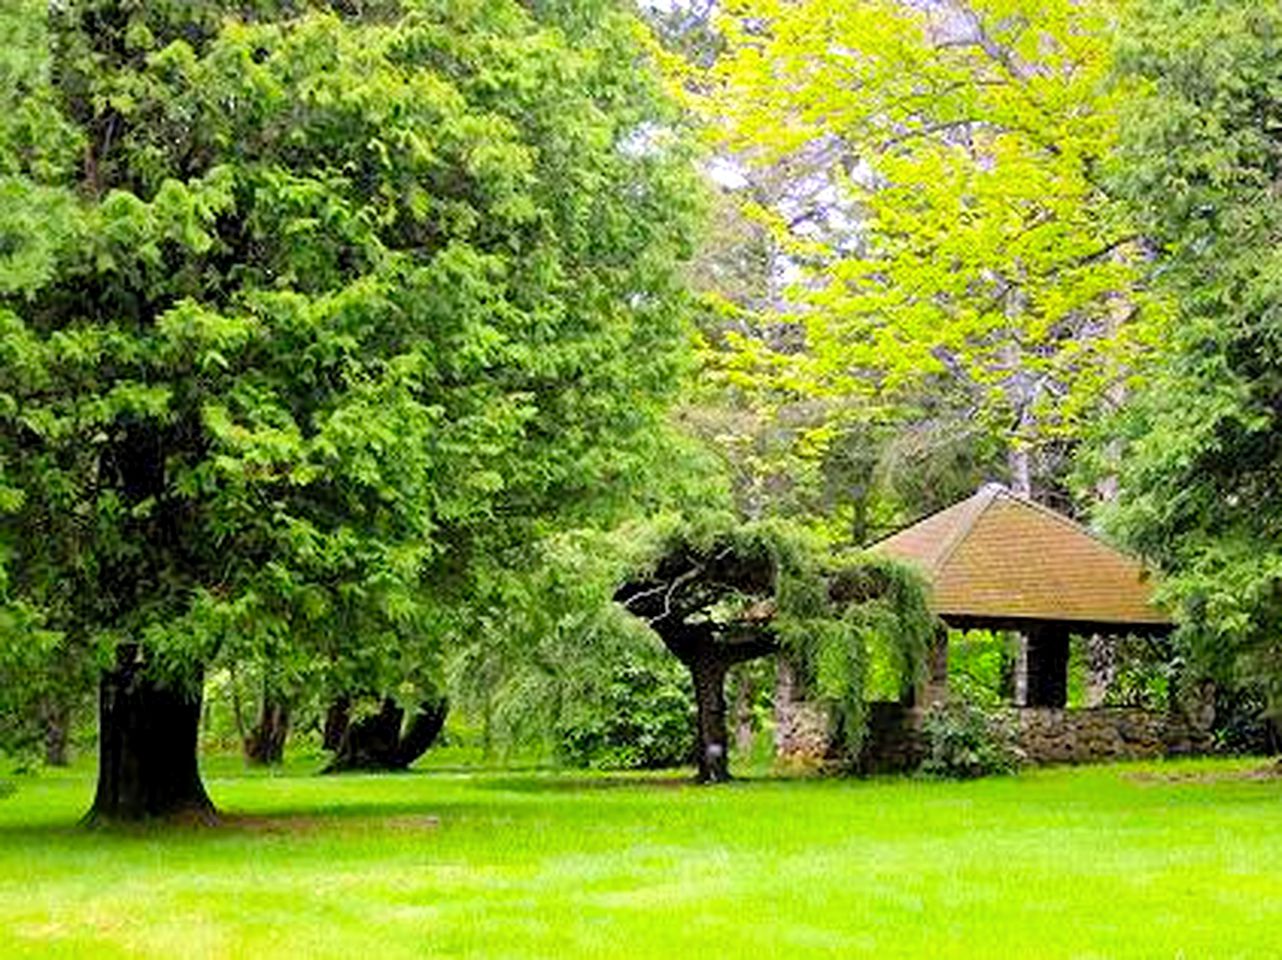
<point>384,741</point>
<point>720,597</point>
<point>328,307</point>
<point>1202,457</point>
<point>953,267</point>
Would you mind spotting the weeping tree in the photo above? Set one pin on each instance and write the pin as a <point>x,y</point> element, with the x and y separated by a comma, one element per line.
<point>307,313</point>
<point>720,597</point>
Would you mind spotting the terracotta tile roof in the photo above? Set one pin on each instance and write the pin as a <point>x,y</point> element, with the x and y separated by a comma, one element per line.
<point>997,556</point>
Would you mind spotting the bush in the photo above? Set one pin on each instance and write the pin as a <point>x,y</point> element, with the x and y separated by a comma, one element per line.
<point>1243,725</point>
<point>964,741</point>
<point>643,720</point>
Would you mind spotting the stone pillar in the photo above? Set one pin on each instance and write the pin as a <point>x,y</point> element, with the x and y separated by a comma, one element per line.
<point>801,728</point>
<point>1021,670</point>
<point>1101,668</point>
<point>935,687</point>
<point>1046,665</point>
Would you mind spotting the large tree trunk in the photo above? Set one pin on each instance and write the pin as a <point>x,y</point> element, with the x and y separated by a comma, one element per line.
<point>423,730</point>
<point>377,743</point>
<point>709,675</point>
<point>265,744</point>
<point>147,763</point>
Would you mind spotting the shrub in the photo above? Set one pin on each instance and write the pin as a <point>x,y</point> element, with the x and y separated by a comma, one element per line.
<point>643,720</point>
<point>1243,724</point>
<point>964,741</point>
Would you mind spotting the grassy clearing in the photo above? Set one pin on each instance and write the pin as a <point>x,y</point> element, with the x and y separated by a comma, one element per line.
<point>1093,862</point>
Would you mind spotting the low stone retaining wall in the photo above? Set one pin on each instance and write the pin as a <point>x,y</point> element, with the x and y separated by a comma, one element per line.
<point>1104,733</point>
<point>1045,735</point>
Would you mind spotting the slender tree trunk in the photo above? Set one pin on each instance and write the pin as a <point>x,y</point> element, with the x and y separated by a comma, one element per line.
<point>709,676</point>
<point>238,715</point>
<point>337,718</point>
<point>147,765</point>
<point>265,744</point>
<point>55,717</point>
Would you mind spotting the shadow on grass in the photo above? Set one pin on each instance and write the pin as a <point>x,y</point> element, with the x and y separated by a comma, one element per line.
<point>560,783</point>
<point>236,823</point>
<point>643,782</point>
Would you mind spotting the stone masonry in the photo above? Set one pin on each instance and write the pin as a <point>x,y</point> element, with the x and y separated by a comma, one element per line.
<point>1045,735</point>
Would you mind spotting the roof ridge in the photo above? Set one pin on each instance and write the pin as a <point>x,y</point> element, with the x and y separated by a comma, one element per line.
<point>986,494</point>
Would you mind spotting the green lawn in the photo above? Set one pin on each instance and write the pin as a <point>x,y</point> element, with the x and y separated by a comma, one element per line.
<point>1129,861</point>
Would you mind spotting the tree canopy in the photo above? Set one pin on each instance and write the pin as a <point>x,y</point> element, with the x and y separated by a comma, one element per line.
<point>1199,476</point>
<point>946,258</point>
<point>718,595</point>
<point>309,312</point>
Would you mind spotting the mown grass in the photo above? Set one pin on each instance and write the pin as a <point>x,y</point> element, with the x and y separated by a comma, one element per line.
<point>1155,860</point>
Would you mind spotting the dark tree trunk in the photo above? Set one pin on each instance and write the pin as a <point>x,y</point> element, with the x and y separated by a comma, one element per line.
<point>265,744</point>
<point>709,675</point>
<point>147,763</point>
<point>424,727</point>
<point>56,719</point>
<point>376,742</point>
<point>337,718</point>
<point>709,659</point>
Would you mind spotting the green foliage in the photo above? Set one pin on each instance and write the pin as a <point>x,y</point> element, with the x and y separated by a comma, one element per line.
<point>1203,447</point>
<point>1145,672</point>
<point>1243,724</point>
<point>642,718</point>
<point>981,666</point>
<point>965,740</point>
<point>944,262</point>
<point>27,648</point>
<point>330,309</point>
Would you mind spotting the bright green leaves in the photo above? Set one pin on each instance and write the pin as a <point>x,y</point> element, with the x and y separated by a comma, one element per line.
<point>37,148</point>
<point>37,224</point>
<point>326,315</point>
<point>945,244</point>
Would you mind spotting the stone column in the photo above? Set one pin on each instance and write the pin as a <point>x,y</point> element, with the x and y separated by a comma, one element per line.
<point>935,688</point>
<point>1021,669</point>
<point>1101,667</point>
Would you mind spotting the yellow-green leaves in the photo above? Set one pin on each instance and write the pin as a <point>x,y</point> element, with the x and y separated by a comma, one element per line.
<point>955,235</point>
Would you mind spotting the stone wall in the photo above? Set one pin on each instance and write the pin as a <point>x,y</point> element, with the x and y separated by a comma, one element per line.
<point>1045,735</point>
<point>1048,735</point>
<point>802,733</point>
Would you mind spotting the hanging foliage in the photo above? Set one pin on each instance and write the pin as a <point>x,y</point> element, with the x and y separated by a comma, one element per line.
<point>718,594</point>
